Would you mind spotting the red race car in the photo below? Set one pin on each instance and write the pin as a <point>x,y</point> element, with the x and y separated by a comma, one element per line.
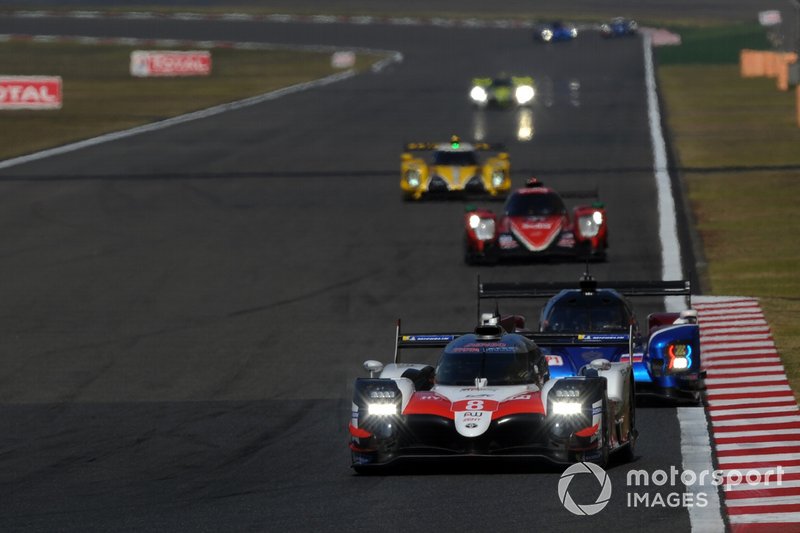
<point>536,223</point>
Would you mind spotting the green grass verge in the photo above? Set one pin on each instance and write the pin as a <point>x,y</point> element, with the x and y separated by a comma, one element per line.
<point>100,96</point>
<point>713,44</point>
<point>747,219</point>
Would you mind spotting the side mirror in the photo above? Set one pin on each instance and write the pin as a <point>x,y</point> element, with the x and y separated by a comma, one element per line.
<point>406,157</point>
<point>502,156</point>
<point>373,367</point>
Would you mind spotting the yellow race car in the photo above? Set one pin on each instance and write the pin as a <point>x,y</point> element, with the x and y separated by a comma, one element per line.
<point>455,170</point>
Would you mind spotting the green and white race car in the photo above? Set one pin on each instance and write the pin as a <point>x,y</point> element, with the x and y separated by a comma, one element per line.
<point>502,91</point>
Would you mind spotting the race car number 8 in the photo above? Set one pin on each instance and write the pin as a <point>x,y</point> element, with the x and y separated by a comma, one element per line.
<point>475,405</point>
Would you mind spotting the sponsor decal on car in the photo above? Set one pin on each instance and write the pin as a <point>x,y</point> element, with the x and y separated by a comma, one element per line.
<point>601,337</point>
<point>507,242</point>
<point>554,360</point>
<point>428,338</point>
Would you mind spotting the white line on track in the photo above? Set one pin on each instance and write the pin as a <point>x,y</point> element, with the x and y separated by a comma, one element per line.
<point>754,410</point>
<point>723,404</point>
<point>203,113</point>
<point>695,440</point>
<point>750,423</point>
<point>757,433</point>
<point>771,500</point>
<point>747,379</point>
<point>748,361</point>
<point>757,445</point>
<point>672,267</point>
<point>766,518</point>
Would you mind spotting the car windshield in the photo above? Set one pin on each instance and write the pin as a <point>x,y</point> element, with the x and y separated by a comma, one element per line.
<point>502,82</point>
<point>534,205</point>
<point>459,159</point>
<point>507,368</point>
<point>587,314</point>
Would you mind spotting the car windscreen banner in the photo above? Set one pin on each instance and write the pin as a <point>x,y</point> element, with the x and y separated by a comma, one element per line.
<point>167,63</point>
<point>30,92</point>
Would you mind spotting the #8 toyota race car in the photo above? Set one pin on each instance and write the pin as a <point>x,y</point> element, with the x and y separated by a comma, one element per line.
<point>502,91</point>
<point>454,170</point>
<point>584,321</point>
<point>490,395</point>
<point>535,223</point>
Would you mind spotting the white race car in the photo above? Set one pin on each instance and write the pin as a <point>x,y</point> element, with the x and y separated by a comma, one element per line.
<point>490,395</point>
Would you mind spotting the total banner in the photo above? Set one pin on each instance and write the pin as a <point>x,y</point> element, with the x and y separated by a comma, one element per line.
<point>147,63</point>
<point>30,92</point>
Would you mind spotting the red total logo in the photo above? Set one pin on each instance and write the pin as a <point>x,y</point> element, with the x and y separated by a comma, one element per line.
<point>170,63</point>
<point>30,92</point>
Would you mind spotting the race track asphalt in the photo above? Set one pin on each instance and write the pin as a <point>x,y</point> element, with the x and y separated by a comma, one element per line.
<point>184,311</point>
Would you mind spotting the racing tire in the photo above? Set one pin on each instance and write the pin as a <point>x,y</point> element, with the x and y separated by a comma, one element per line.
<point>605,448</point>
<point>472,258</point>
<point>628,452</point>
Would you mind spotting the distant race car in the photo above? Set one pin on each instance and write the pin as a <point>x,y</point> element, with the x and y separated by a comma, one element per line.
<point>455,170</point>
<point>596,320</point>
<point>619,27</point>
<point>489,395</point>
<point>502,91</point>
<point>535,223</point>
<point>554,32</point>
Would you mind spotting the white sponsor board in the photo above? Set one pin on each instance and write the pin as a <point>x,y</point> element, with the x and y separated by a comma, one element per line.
<point>30,92</point>
<point>769,18</point>
<point>343,59</point>
<point>167,63</point>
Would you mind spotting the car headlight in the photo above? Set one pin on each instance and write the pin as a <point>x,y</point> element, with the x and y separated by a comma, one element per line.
<point>382,409</point>
<point>547,34</point>
<point>482,227</point>
<point>498,177</point>
<point>588,226</point>
<point>524,94</point>
<point>597,217</point>
<point>478,94</point>
<point>680,357</point>
<point>566,408</point>
<point>573,32</point>
<point>412,177</point>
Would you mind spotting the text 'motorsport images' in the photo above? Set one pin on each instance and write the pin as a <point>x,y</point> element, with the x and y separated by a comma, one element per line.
<point>490,395</point>
<point>455,169</point>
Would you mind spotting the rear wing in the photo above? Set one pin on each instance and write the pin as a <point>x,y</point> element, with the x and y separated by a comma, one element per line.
<point>587,284</point>
<point>429,146</point>
<point>543,340</point>
<point>548,289</point>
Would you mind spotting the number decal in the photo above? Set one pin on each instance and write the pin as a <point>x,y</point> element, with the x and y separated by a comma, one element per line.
<point>474,405</point>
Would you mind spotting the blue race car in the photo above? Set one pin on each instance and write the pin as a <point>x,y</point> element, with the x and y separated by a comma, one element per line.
<point>619,27</point>
<point>554,32</point>
<point>600,320</point>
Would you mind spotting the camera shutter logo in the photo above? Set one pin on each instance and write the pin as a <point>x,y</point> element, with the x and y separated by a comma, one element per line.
<point>586,509</point>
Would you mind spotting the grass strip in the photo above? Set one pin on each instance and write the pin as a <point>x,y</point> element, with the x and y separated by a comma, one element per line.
<point>722,127</point>
<point>100,95</point>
